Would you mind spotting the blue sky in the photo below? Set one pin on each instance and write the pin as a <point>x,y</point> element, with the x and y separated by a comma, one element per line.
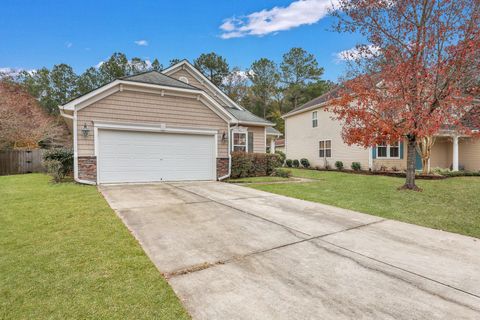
<point>83,33</point>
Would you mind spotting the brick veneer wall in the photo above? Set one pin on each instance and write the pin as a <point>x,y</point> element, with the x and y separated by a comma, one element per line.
<point>222,167</point>
<point>87,168</point>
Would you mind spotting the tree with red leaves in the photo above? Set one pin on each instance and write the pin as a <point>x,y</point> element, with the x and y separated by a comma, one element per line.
<point>23,123</point>
<point>417,74</point>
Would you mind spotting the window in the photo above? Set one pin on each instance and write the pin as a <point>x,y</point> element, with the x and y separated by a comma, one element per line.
<point>250,142</point>
<point>314,119</point>
<point>183,79</point>
<point>325,148</point>
<point>239,141</point>
<point>388,151</point>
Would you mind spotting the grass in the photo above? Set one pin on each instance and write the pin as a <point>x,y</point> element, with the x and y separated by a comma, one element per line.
<point>258,179</point>
<point>64,254</point>
<point>451,204</point>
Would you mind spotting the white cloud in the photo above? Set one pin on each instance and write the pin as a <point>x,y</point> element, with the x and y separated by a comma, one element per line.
<point>68,44</point>
<point>142,43</point>
<point>264,22</point>
<point>358,52</point>
<point>13,72</point>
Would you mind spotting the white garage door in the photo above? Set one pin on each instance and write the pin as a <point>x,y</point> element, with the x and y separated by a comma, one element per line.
<point>130,156</point>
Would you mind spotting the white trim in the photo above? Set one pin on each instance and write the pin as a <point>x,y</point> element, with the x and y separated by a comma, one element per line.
<point>315,118</point>
<point>388,157</point>
<point>239,130</point>
<point>455,159</point>
<point>292,113</point>
<point>114,86</point>
<point>204,80</point>
<point>325,148</point>
<point>229,157</point>
<point>151,128</point>
<point>370,158</point>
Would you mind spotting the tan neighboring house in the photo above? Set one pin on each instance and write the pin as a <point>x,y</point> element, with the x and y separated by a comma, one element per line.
<point>312,133</point>
<point>172,125</point>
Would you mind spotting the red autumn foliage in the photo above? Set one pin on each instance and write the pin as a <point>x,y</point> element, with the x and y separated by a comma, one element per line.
<point>23,123</point>
<point>417,75</point>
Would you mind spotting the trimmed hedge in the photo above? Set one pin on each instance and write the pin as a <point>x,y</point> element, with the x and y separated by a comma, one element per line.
<point>253,164</point>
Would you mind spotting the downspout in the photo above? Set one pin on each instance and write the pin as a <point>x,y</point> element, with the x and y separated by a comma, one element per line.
<point>229,156</point>
<point>75,152</point>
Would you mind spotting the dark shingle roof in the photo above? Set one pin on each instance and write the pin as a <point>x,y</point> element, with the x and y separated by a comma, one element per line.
<point>155,77</point>
<point>246,116</point>
<point>318,100</point>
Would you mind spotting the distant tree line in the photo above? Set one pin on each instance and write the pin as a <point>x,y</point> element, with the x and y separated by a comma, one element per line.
<point>267,88</point>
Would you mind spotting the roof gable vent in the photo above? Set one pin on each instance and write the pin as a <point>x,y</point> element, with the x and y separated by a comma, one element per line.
<point>183,79</point>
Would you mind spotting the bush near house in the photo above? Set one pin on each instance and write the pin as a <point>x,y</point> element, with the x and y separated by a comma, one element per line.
<point>58,162</point>
<point>253,164</point>
<point>339,165</point>
<point>289,162</point>
<point>296,163</point>
<point>283,173</point>
<point>305,163</point>
<point>356,166</point>
<point>281,155</point>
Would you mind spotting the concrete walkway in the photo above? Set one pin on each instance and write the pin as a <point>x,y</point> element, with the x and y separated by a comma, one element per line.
<point>231,252</point>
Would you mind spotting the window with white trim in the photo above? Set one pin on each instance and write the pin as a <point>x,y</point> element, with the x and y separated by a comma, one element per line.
<point>239,141</point>
<point>314,119</point>
<point>183,79</point>
<point>325,148</point>
<point>388,151</point>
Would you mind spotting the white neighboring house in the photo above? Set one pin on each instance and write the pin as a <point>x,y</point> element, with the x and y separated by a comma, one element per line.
<point>312,133</point>
<point>160,126</point>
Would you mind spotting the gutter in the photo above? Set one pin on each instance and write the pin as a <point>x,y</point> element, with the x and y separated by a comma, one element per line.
<point>229,157</point>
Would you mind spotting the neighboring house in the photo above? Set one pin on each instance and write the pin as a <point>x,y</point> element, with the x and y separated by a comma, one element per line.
<point>310,132</point>
<point>168,126</point>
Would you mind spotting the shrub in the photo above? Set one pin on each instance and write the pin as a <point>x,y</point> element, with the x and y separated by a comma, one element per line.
<point>253,164</point>
<point>279,172</point>
<point>289,162</point>
<point>305,163</point>
<point>63,155</point>
<point>281,155</point>
<point>449,173</point>
<point>296,163</point>
<point>356,166</point>
<point>55,169</point>
<point>339,165</point>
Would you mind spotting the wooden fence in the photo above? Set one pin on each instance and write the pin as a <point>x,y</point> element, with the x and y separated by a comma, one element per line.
<point>21,161</point>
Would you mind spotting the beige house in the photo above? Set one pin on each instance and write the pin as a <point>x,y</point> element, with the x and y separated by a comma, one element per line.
<point>312,133</point>
<point>160,126</point>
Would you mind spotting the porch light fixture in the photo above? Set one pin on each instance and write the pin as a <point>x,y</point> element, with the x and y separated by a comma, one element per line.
<point>85,130</point>
<point>224,136</point>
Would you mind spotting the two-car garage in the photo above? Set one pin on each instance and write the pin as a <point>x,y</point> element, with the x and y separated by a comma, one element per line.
<point>146,156</point>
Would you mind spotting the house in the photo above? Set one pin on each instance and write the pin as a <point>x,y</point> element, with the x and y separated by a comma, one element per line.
<point>160,126</point>
<point>312,133</point>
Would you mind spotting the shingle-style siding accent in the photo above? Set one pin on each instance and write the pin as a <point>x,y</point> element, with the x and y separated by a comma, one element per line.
<point>222,167</point>
<point>87,168</point>
<point>302,140</point>
<point>150,108</point>
<point>194,82</point>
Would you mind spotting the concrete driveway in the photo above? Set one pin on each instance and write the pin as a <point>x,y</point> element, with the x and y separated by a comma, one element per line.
<point>231,252</point>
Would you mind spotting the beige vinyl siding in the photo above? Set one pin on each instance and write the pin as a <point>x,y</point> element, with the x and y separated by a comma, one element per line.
<point>302,140</point>
<point>194,82</point>
<point>149,108</point>
<point>441,156</point>
<point>258,139</point>
<point>469,153</point>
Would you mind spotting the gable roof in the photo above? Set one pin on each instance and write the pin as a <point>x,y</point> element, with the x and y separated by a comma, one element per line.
<point>185,64</point>
<point>271,131</point>
<point>155,77</point>
<point>318,101</point>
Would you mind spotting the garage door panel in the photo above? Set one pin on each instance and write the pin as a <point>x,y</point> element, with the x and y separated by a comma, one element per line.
<point>127,156</point>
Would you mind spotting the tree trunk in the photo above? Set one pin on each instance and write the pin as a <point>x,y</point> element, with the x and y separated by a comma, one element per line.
<point>411,158</point>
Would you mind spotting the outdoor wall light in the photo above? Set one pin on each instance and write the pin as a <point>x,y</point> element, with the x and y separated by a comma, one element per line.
<point>224,136</point>
<point>85,130</point>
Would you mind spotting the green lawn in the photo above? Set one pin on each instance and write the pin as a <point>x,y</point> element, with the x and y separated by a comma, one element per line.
<point>452,204</point>
<point>64,254</point>
<point>259,179</point>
